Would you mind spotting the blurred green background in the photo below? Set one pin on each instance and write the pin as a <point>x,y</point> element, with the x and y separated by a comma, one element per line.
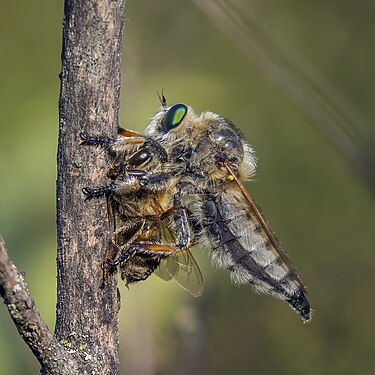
<point>298,77</point>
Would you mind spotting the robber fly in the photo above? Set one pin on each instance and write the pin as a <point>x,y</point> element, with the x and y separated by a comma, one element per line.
<point>143,240</point>
<point>205,159</point>
<point>208,159</point>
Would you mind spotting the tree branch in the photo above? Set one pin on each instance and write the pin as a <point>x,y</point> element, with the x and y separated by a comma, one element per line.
<point>53,356</point>
<point>87,312</point>
<point>86,338</point>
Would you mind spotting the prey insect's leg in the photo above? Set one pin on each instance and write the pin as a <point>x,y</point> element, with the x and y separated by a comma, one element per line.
<point>121,241</point>
<point>128,133</point>
<point>161,250</point>
<point>138,238</point>
<point>119,244</point>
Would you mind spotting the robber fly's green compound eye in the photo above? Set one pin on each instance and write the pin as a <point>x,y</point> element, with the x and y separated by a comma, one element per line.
<point>174,117</point>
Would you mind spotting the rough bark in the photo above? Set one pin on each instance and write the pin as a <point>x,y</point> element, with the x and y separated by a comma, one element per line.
<point>86,338</point>
<point>87,311</point>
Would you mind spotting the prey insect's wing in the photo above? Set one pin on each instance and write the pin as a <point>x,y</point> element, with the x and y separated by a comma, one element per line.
<point>256,214</point>
<point>185,270</point>
<point>162,271</point>
<point>167,236</point>
<point>182,267</point>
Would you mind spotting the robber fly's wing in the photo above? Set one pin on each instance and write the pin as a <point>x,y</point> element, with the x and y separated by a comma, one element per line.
<point>185,270</point>
<point>257,216</point>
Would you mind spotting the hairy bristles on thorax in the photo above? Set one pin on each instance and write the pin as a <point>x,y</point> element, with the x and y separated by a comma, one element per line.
<point>248,166</point>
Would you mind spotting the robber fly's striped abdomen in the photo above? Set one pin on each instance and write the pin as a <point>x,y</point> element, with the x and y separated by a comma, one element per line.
<point>240,245</point>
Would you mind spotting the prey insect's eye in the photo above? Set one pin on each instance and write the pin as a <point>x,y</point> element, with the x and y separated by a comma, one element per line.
<point>174,117</point>
<point>138,158</point>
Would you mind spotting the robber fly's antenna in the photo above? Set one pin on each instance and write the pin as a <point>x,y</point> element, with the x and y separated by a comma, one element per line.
<point>162,99</point>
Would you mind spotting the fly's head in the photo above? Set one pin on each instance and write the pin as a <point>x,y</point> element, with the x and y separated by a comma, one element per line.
<point>202,147</point>
<point>172,124</point>
<point>174,127</point>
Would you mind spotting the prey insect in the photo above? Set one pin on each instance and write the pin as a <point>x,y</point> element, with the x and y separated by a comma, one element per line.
<point>142,239</point>
<point>209,158</point>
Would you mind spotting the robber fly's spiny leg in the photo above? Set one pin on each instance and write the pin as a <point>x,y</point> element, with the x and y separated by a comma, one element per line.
<point>127,184</point>
<point>102,141</point>
<point>155,181</point>
<point>181,221</point>
<point>99,192</point>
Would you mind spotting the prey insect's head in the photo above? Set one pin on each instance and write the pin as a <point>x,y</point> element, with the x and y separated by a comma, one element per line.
<point>171,123</point>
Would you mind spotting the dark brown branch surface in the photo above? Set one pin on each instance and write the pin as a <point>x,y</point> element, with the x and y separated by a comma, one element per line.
<point>13,289</point>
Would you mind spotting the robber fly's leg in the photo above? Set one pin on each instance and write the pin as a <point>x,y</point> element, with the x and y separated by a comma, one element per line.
<point>126,163</point>
<point>113,145</point>
<point>102,141</point>
<point>157,149</point>
<point>134,181</point>
<point>100,191</point>
<point>181,223</point>
<point>129,137</point>
<point>127,184</point>
<point>155,181</point>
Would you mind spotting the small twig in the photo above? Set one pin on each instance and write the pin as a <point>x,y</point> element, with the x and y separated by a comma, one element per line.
<point>52,355</point>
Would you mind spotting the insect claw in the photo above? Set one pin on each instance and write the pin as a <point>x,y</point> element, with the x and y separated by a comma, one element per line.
<point>95,140</point>
<point>144,181</point>
<point>84,137</point>
<point>112,263</point>
<point>88,193</point>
